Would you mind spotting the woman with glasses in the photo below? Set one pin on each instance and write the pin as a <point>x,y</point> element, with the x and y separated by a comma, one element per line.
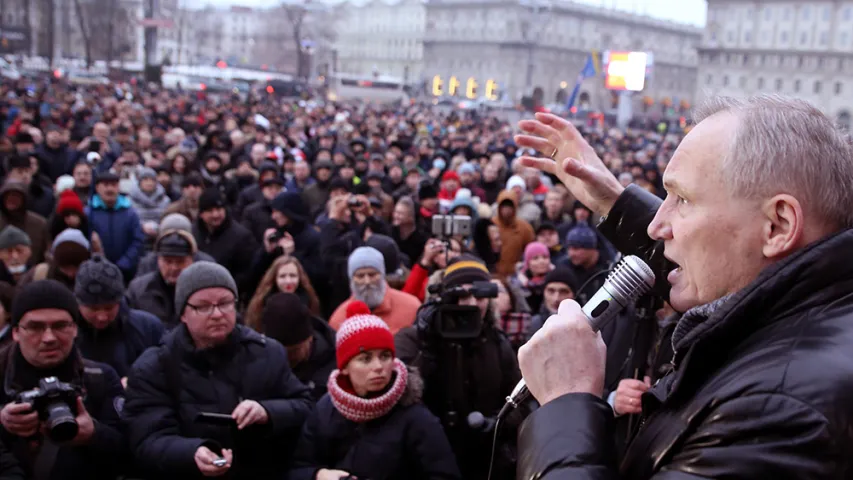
<point>215,397</point>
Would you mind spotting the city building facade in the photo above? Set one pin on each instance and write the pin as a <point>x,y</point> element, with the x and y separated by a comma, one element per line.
<point>379,38</point>
<point>538,48</point>
<point>796,48</point>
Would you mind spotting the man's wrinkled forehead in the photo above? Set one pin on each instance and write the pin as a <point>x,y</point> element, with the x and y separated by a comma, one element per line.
<point>700,155</point>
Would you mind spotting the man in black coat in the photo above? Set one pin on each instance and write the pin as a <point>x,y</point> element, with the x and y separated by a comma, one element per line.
<point>155,292</point>
<point>292,235</point>
<point>258,216</point>
<point>44,325</point>
<point>111,332</point>
<point>309,341</point>
<point>763,354</point>
<point>252,194</point>
<point>216,234</point>
<point>210,364</point>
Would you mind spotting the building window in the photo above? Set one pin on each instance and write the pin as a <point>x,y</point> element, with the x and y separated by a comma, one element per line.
<point>806,12</point>
<point>797,84</point>
<point>742,82</point>
<point>731,36</point>
<point>817,86</point>
<point>760,83</point>
<point>804,37</point>
<point>784,37</point>
<point>847,13</point>
<point>768,13</point>
<point>786,15</point>
<point>823,39</point>
<point>779,85</point>
<point>838,88</point>
<point>725,80</point>
<point>747,37</point>
<point>826,14</point>
<point>843,39</point>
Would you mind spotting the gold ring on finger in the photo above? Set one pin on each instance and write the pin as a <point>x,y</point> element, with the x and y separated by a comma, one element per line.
<point>554,154</point>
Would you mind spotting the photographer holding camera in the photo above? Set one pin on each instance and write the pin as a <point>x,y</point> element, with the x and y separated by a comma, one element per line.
<point>468,366</point>
<point>61,417</point>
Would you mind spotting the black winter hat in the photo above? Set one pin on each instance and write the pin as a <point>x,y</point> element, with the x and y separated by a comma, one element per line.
<point>98,282</point>
<point>17,161</point>
<point>211,198</point>
<point>389,250</point>
<point>267,166</point>
<point>175,244</point>
<point>564,275</point>
<point>427,190</point>
<point>286,319</point>
<point>291,205</point>
<point>43,294</point>
<point>465,268</point>
<point>339,183</point>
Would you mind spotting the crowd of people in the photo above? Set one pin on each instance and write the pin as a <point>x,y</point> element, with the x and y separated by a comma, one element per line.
<point>249,289</point>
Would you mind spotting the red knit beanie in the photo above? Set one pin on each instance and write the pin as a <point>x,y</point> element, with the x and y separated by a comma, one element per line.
<point>361,332</point>
<point>69,202</point>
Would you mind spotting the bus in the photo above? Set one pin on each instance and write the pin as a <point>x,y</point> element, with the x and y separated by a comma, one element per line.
<point>375,88</point>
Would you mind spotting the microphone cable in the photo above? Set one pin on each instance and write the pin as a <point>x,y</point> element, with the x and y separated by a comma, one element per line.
<point>494,444</point>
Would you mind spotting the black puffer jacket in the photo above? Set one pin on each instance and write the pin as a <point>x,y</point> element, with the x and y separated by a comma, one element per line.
<point>151,294</point>
<point>763,387</point>
<point>171,384</point>
<point>231,244</point>
<point>405,444</point>
<point>315,371</point>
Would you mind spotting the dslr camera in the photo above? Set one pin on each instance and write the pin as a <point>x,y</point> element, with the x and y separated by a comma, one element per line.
<point>56,404</point>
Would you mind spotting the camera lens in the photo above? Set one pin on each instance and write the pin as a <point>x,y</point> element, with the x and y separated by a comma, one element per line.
<point>61,423</point>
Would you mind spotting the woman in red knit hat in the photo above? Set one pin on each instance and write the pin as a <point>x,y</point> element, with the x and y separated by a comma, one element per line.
<point>372,424</point>
<point>68,214</point>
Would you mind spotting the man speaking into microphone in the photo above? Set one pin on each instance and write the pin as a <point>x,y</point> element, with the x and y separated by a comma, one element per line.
<point>753,243</point>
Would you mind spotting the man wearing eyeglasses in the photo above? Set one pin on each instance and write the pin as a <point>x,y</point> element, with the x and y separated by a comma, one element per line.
<point>44,326</point>
<point>209,364</point>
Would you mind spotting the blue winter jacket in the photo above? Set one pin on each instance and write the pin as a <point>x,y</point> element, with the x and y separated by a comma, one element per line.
<point>120,232</point>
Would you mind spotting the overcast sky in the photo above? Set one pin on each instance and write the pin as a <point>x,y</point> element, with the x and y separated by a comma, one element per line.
<point>687,11</point>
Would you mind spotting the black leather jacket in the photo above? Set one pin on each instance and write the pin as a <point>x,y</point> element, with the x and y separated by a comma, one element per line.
<point>761,389</point>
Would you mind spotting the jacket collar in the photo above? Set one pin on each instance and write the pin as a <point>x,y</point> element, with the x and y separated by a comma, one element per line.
<point>813,277</point>
<point>97,203</point>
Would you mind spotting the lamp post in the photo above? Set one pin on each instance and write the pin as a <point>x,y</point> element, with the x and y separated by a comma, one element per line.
<point>533,20</point>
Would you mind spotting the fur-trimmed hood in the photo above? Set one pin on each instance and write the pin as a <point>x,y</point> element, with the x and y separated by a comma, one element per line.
<point>414,388</point>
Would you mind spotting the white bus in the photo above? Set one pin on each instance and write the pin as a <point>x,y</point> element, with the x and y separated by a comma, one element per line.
<point>379,88</point>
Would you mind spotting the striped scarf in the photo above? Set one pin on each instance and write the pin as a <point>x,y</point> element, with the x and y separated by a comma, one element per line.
<point>360,410</point>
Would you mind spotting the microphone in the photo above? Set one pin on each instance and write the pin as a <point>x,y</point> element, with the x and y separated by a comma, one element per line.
<point>626,283</point>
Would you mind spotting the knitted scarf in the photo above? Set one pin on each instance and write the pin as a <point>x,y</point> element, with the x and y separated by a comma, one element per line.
<point>360,410</point>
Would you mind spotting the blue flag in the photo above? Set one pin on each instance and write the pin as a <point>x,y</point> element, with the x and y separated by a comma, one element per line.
<point>590,70</point>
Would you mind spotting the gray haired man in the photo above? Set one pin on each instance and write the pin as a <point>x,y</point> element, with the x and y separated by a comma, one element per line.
<point>754,240</point>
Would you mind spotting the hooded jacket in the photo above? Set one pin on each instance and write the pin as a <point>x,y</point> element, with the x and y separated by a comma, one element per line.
<point>33,224</point>
<point>120,232</point>
<point>149,206</point>
<point>515,235</point>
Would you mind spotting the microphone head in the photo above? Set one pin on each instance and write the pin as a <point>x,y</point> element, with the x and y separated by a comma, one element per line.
<point>476,420</point>
<point>631,279</point>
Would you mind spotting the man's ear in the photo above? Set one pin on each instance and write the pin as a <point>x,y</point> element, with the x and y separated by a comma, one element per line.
<point>784,224</point>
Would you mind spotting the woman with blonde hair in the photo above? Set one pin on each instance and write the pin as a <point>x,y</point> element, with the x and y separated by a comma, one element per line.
<point>284,275</point>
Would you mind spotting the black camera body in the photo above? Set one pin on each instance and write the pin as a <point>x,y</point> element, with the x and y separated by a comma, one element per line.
<point>56,405</point>
<point>448,320</point>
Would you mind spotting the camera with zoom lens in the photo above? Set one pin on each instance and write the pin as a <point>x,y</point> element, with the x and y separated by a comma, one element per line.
<point>56,404</point>
<point>447,319</point>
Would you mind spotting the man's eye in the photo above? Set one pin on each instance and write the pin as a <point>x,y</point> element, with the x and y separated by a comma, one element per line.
<point>679,200</point>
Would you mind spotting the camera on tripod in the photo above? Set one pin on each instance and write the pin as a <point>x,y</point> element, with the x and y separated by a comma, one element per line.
<point>56,404</point>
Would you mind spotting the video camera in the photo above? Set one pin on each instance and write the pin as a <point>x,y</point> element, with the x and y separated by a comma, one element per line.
<point>56,404</point>
<point>444,317</point>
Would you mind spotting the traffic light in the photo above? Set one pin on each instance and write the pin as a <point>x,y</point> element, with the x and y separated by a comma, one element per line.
<point>452,86</point>
<point>437,86</point>
<point>491,89</point>
<point>471,88</point>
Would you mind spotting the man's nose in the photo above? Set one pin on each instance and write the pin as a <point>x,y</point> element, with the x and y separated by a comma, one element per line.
<point>659,228</point>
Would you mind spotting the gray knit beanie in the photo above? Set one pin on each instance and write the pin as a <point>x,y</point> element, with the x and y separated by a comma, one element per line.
<point>198,276</point>
<point>98,282</point>
<point>364,257</point>
<point>175,221</point>
<point>12,236</point>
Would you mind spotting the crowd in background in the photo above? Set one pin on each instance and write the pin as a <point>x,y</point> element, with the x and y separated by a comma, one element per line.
<point>277,252</point>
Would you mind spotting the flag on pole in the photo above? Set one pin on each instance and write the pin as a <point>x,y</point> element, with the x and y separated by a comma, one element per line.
<point>590,69</point>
